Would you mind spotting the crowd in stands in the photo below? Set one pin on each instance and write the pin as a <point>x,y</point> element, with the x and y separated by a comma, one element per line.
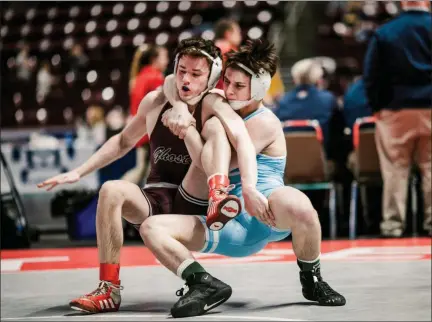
<point>110,59</point>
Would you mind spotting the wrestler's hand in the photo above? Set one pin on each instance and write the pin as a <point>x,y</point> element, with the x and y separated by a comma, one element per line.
<point>68,177</point>
<point>178,119</point>
<point>257,205</point>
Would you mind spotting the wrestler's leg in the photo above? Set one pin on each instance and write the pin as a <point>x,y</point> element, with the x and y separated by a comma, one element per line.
<point>216,152</point>
<point>294,211</point>
<point>171,238</point>
<point>116,199</point>
<point>215,159</point>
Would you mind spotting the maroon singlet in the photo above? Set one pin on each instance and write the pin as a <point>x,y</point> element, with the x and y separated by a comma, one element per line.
<point>169,157</point>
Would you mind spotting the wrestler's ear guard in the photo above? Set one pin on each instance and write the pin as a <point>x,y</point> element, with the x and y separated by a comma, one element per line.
<point>215,71</point>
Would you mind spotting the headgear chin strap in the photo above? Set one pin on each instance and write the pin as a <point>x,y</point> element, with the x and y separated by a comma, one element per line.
<point>237,105</point>
<point>260,83</point>
<point>215,72</point>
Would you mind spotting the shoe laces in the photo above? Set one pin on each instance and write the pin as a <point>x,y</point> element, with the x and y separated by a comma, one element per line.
<point>103,288</point>
<point>324,289</point>
<point>183,290</point>
<point>224,190</point>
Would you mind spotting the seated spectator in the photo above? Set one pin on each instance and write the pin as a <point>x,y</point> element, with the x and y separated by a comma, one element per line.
<point>45,81</point>
<point>306,101</point>
<point>95,120</point>
<point>355,103</point>
<point>355,106</point>
<point>24,64</point>
<point>78,60</point>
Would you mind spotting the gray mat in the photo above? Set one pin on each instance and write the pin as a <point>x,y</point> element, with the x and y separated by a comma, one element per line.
<point>396,291</point>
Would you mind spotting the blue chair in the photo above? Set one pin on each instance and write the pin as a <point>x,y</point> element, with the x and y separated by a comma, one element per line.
<point>306,166</point>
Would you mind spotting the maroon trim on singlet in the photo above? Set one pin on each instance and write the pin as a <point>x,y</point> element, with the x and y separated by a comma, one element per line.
<point>169,157</point>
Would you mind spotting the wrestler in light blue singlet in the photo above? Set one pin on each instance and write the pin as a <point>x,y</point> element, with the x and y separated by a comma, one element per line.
<point>245,235</point>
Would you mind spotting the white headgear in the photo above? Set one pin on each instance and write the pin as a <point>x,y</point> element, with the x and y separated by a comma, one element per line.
<point>215,72</point>
<point>260,83</point>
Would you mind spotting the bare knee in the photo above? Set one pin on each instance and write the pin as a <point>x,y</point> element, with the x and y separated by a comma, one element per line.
<point>145,229</point>
<point>150,227</point>
<point>212,126</point>
<point>304,212</point>
<point>292,206</point>
<point>111,191</point>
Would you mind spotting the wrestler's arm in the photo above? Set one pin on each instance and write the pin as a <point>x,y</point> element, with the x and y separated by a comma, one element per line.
<point>215,105</point>
<point>171,94</point>
<point>120,144</point>
<point>194,144</point>
<point>192,139</point>
<point>234,126</point>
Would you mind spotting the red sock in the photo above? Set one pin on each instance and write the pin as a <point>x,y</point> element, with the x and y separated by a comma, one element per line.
<point>110,273</point>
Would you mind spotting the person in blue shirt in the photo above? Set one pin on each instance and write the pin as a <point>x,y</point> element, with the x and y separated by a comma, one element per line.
<point>355,103</point>
<point>306,101</point>
<point>398,83</point>
<point>355,106</point>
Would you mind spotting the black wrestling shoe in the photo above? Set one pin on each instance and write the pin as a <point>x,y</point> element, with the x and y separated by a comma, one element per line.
<point>315,289</point>
<point>203,293</point>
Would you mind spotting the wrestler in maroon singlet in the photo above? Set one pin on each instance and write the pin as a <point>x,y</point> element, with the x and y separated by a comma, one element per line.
<point>170,162</point>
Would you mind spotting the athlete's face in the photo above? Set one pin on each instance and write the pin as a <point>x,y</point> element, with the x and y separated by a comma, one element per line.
<point>236,85</point>
<point>192,76</point>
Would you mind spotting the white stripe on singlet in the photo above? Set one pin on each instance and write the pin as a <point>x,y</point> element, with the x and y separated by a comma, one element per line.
<point>189,198</point>
<point>160,185</point>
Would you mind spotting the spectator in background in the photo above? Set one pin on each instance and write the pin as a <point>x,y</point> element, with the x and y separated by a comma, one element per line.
<point>228,37</point>
<point>45,80</point>
<point>398,82</point>
<point>24,64</point>
<point>355,106</point>
<point>95,117</point>
<point>91,129</point>
<point>306,101</point>
<point>78,60</point>
<point>355,102</point>
<point>115,121</point>
<point>142,81</point>
<point>154,61</point>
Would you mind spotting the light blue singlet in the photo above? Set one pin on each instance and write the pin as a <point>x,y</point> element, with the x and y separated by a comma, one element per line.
<point>246,235</point>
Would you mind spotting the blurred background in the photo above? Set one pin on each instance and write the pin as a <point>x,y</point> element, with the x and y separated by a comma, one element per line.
<point>73,74</point>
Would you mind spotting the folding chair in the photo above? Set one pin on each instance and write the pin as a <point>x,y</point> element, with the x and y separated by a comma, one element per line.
<point>367,171</point>
<point>366,166</point>
<point>306,166</point>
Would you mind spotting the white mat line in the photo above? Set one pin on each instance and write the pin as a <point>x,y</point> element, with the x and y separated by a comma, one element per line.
<point>116,316</point>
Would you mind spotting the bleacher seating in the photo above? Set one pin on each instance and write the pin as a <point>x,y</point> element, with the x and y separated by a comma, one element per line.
<point>344,32</point>
<point>109,33</point>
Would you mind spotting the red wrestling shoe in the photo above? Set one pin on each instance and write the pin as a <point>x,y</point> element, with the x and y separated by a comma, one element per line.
<point>222,206</point>
<point>106,298</point>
